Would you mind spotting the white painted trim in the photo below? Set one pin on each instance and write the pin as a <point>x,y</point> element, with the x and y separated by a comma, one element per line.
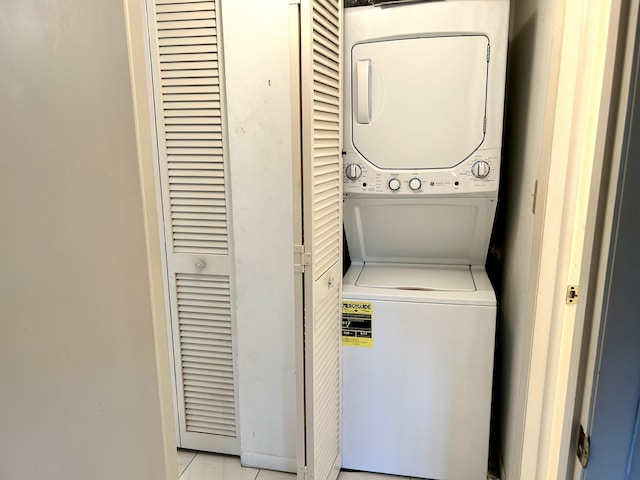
<point>575,138</point>
<point>268,462</point>
<point>136,35</point>
<point>296,168</point>
<point>584,400</point>
<point>592,111</point>
<point>146,7</point>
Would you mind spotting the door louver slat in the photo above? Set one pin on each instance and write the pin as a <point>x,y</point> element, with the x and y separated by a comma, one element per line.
<point>194,41</point>
<point>198,373</point>
<point>202,360</point>
<point>184,6</point>
<point>181,2</point>
<point>181,36</point>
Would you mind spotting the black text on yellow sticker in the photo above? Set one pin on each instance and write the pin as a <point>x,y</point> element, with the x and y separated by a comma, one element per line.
<point>357,324</point>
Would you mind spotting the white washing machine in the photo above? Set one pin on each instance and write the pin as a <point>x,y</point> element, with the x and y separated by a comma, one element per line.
<point>418,338</point>
<point>424,93</point>
<point>417,398</point>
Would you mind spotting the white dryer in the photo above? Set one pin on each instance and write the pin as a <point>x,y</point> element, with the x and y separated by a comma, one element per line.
<point>424,93</point>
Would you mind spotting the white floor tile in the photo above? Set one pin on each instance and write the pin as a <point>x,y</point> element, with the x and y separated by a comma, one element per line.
<point>184,459</point>
<point>271,475</point>
<point>208,466</point>
<point>368,476</point>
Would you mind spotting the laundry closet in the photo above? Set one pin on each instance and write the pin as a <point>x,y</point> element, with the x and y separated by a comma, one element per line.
<point>419,172</point>
<point>276,124</point>
<point>176,166</point>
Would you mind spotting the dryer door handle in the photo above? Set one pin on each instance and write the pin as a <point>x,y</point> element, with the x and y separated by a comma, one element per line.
<point>363,86</point>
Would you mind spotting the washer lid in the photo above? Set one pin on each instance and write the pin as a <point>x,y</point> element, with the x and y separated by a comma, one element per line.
<point>409,231</point>
<point>453,278</point>
<point>419,103</point>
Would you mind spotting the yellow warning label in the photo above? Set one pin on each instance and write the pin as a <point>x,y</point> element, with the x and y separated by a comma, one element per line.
<point>357,324</point>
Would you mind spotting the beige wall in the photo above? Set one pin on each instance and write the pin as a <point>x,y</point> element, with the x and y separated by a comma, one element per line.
<point>79,394</point>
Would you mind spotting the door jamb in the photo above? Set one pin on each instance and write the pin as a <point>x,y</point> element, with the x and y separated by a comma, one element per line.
<point>137,43</point>
<point>587,382</point>
<point>573,148</point>
<point>296,156</point>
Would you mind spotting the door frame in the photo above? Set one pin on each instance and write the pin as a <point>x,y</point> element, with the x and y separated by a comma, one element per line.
<point>585,395</point>
<point>140,72</point>
<point>296,155</point>
<point>575,145</point>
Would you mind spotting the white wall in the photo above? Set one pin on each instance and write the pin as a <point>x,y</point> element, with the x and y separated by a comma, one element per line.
<point>529,58</point>
<point>80,395</point>
<point>256,60</point>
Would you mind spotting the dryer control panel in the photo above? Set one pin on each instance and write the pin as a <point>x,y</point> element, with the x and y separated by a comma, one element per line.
<point>477,175</point>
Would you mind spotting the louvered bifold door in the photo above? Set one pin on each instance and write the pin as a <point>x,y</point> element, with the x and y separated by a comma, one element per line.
<point>320,65</point>
<point>190,119</point>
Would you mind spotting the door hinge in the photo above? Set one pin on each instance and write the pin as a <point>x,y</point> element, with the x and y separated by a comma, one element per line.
<point>572,294</point>
<point>300,258</point>
<point>535,197</point>
<point>488,53</point>
<point>583,447</point>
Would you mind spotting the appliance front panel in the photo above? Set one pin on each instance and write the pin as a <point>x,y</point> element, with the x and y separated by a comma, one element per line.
<point>419,103</point>
<point>418,401</point>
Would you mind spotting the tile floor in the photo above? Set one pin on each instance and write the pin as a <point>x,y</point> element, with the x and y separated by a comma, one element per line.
<point>207,466</point>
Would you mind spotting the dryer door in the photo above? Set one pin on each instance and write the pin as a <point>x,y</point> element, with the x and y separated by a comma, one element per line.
<point>419,102</point>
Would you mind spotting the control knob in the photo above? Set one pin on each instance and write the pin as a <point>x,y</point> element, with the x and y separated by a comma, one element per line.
<point>415,184</point>
<point>480,169</point>
<point>394,184</point>
<point>353,171</point>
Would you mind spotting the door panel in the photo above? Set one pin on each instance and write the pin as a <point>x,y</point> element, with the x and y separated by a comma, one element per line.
<point>320,97</point>
<point>192,169</point>
<point>439,83</point>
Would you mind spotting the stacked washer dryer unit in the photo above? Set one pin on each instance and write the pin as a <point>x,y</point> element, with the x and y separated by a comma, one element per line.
<point>424,87</point>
